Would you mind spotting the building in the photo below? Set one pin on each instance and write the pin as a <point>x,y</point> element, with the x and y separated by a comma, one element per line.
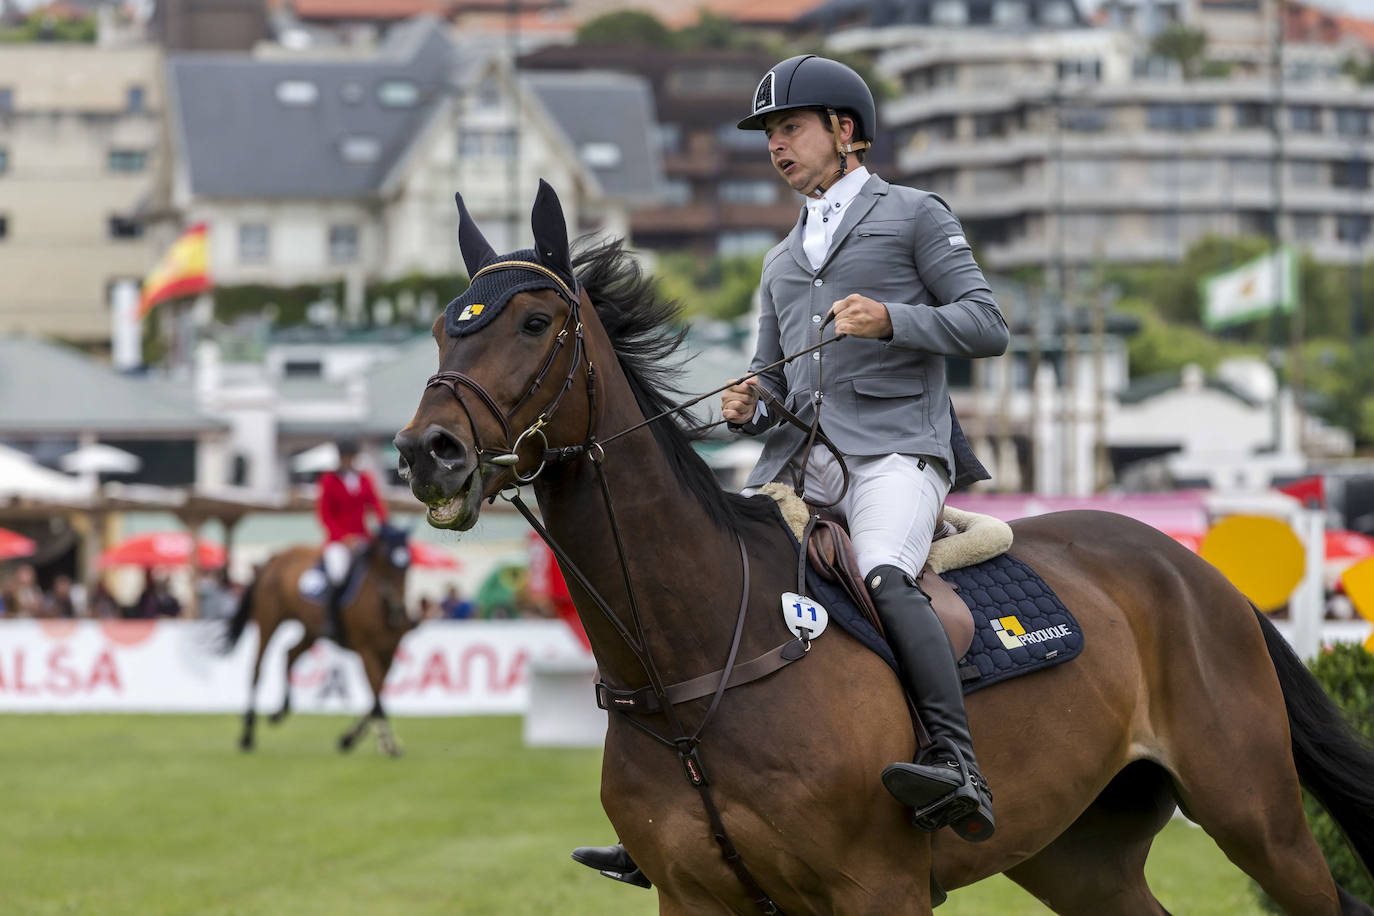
<point>81,142</point>
<point>1070,146</point>
<point>721,194</point>
<point>320,168</point>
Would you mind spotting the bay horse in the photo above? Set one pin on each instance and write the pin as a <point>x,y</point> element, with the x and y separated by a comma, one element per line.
<point>1183,696</point>
<point>374,621</point>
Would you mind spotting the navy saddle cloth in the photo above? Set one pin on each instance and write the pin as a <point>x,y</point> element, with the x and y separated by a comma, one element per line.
<point>313,581</point>
<point>1020,625</point>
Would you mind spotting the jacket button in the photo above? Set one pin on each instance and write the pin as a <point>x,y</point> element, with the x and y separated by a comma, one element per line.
<point>815,319</point>
<point>818,282</point>
<point>816,356</point>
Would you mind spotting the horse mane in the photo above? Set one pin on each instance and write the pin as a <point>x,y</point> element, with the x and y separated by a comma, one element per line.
<point>645,332</point>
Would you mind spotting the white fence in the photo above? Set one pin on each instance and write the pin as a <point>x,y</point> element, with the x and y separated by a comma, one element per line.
<point>442,668</point>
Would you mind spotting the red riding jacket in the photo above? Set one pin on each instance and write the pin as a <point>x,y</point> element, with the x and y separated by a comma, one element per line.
<point>343,508</point>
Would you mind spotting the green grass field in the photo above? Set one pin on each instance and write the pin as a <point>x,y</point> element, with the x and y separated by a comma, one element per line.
<point>160,814</point>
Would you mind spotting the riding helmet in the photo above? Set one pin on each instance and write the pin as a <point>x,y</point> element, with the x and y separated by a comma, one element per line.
<point>808,81</point>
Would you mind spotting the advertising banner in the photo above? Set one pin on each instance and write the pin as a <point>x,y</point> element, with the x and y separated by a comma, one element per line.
<point>442,668</point>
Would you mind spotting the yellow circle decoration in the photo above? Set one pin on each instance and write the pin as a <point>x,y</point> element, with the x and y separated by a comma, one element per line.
<point>1260,555</point>
<point>1358,581</point>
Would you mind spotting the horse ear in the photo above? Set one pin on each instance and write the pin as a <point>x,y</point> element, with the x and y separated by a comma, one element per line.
<point>550,232</point>
<point>471,242</point>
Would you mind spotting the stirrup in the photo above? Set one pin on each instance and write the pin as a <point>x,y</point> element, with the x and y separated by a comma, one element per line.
<point>629,873</point>
<point>966,806</point>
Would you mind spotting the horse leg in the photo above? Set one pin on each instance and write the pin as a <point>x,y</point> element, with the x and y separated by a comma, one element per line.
<point>294,653</point>
<point>250,715</point>
<point>356,731</point>
<point>1097,866</point>
<point>376,670</point>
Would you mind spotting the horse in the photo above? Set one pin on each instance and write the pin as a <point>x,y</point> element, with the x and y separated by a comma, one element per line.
<point>1184,695</point>
<point>374,622</point>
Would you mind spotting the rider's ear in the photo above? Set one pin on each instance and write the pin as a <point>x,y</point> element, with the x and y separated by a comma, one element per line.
<point>471,242</point>
<point>550,232</point>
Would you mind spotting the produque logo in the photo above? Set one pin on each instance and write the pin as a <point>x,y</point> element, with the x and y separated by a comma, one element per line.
<point>1013,633</point>
<point>472,311</point>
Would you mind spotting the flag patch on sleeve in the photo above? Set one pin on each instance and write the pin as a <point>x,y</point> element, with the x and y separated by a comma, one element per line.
<point>956,240</point>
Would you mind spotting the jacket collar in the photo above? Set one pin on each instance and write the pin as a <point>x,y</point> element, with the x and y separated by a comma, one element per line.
<point>868,195</point>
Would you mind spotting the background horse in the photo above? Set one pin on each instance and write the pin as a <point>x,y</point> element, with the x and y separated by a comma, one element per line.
<point>374,622</point>
<point>1182,696</point>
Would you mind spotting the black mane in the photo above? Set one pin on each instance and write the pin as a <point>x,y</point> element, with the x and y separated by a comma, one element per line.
<point>645,333</point>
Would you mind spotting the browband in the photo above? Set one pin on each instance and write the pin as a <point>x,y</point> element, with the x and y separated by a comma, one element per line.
<point>563,287</point>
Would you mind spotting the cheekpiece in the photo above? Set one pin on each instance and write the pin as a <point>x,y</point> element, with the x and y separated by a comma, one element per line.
<point>490,292</point>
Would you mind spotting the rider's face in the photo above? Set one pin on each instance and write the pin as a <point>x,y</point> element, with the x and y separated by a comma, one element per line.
<point>801,147</point>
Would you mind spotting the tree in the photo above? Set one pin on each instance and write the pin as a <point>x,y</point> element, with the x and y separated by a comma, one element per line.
<point>1182,44</point>
<point>631,28</point>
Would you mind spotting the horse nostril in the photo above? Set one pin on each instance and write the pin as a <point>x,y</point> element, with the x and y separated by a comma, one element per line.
<point>405,450</point>
<point>445,447</point>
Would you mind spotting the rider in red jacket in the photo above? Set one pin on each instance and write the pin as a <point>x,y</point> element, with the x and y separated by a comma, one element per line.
<point>345,497</point>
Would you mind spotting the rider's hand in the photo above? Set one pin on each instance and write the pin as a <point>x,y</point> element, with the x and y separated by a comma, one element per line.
<point>860,316</point>
<point>737,402</point>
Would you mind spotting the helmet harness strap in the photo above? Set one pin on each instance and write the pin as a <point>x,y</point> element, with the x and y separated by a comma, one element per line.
<point>844,149</point>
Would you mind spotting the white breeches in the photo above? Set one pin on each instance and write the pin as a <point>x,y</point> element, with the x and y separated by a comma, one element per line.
<point>337,558</point>
<point>891,508</point>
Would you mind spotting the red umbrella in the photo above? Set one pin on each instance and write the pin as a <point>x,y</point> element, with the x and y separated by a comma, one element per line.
<point>15,545</point>
<point>431,557</point>
<point>1348,545</point>
<point>162,548</point>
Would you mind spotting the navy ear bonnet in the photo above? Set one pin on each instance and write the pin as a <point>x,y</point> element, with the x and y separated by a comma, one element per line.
<point>490,292</point>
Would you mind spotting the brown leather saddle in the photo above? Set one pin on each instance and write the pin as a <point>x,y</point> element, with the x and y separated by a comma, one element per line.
<point>828,549</point>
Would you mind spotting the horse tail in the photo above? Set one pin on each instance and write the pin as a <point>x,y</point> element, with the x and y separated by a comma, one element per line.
<point>1334,761</point>
<point>239,622</point>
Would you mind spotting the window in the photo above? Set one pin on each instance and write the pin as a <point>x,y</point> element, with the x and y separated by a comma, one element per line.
<point>128,160</point>
<point>343,244</point>
<point>1196,173</point>
<point>1352,227</point>
<point>1306,118</point>
<point>121,227</point>
<point>360,150</point>
<point>1009,12</point>
<point>134,99</point>
<point>1353,173</point>
<point>398,94</point>
<point>994,179</point>
<point>749,192</point>
<point>1081,69</point>
<point>1182,117</point>
<point>1352,122</point>
<point>253,243</point>
<point>677,191</point>
<point>6,99</point>
<point>4,226</point>
<point>1056,13</point>
<point>1251,172</point>
<point>1090,173</point>
<point>1252,114</point>
<point>601,155</point>
<point>1083,118</point>
<point>1305,173</point>
<point>734,244</point>
<point>990,125</point>
<point>949,12</point>
<point>303,368</point>
<point>1307,227</point>
<point>297,93</point>
<point>670,138</point>
<point>4,160</point>
<point>732,138</point>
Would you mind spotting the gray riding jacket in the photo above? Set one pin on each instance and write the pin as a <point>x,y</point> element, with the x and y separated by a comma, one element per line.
<point>904,248</point>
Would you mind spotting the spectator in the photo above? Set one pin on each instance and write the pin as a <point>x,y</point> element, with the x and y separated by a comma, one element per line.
<point>455,606</point>
<point>157,599</point>
<point>23,597</point>
<point>428,609</point>
<point>103,605</point>
<point>60,603</point>
<point>219,599</point>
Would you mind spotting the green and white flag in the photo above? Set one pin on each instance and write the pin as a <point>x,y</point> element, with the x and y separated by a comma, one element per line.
<point>1253,290</point>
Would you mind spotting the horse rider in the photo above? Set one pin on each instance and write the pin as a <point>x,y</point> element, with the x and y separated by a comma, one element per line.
<point>893,269</point>
<point>345,496</point>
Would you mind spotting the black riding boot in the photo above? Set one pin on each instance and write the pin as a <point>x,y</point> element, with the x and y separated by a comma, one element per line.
<point>331,628</point>
<point>943,785</point>
<point>613,862</point>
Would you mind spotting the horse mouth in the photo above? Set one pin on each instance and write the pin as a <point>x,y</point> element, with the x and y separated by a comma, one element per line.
<point>459,510</point>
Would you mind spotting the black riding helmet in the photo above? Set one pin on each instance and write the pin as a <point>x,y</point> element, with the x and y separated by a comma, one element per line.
<point>808,81</point>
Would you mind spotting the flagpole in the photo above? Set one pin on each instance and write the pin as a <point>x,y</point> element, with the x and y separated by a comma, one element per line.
<point>1275,322</point>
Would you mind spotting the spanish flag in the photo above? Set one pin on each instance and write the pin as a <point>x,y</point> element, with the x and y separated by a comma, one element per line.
<point>183,271</point>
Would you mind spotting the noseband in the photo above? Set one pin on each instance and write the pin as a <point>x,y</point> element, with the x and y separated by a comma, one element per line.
<point>508,456</point>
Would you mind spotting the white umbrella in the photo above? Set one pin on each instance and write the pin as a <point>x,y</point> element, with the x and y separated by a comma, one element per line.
<point>99,458</point>
<point>323,457</point>
<point>20,475</point>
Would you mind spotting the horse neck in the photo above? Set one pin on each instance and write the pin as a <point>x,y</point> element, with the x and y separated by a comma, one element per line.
<point>684,568</point>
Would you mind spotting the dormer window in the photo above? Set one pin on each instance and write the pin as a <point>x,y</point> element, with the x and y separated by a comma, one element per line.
<point>297,92</point>
<point>398,94</point>
<point>360,150</point>
<point>601,155</point>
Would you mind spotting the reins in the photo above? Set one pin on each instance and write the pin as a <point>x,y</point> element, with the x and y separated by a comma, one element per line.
<point>661,699</point>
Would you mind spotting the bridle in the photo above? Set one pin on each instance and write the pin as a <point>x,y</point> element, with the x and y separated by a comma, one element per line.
<point>661,699</point>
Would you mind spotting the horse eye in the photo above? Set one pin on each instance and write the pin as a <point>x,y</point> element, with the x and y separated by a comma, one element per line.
<point>536,324</point>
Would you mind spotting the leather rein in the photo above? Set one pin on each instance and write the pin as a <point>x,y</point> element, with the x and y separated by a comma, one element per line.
<point>656,697</point>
